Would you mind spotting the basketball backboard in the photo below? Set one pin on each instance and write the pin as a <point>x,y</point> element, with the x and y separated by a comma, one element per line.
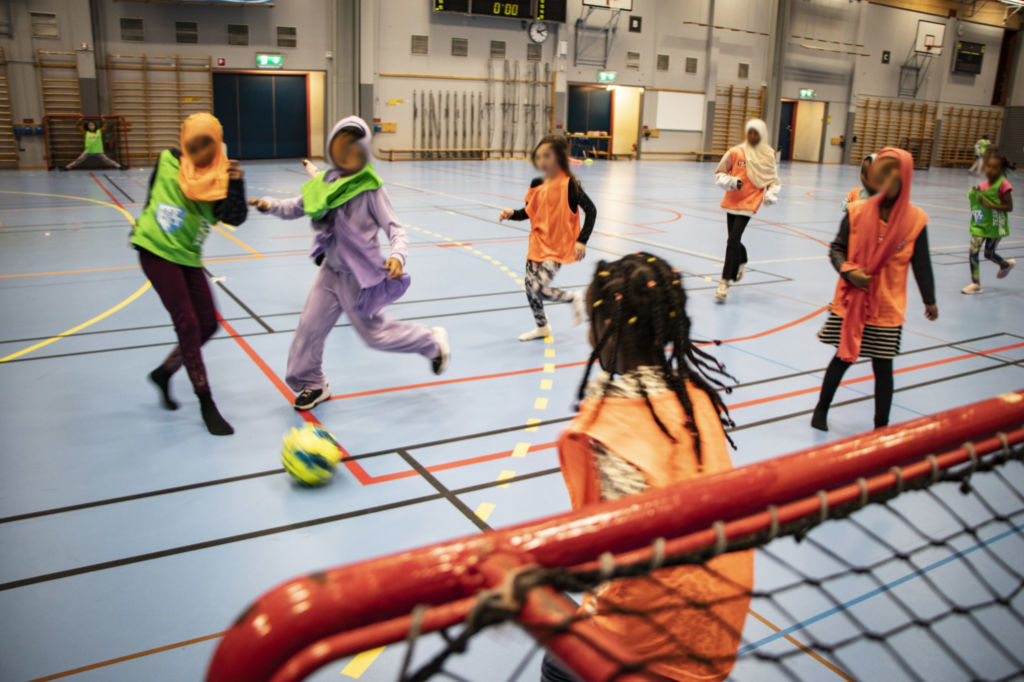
<point>929,39</point>
<point>610,4</point>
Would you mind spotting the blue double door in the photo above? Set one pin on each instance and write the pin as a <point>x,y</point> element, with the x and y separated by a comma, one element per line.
<point>265,116</point>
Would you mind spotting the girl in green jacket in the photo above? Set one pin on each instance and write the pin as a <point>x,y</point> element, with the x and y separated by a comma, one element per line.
<point>93,134</point>
<point>991,204</point>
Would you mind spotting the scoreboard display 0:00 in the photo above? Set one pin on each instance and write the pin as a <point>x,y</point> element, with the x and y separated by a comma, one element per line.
<point>519,9</point>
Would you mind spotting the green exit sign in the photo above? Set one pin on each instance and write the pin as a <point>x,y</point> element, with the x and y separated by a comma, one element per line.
<point>806,93</point>
<point>607,76</point>
<point>269,61</point>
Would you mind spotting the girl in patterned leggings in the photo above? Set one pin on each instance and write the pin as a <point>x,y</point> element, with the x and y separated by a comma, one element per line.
<point>553,205</point>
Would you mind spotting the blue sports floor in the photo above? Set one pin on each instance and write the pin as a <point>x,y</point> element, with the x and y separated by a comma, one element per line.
<point>129,537</point>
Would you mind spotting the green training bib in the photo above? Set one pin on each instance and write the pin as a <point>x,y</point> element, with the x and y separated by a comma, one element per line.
<point>319,197</point>
<point>986,222</point>
<point>93,142</point>
<point>173,226</point>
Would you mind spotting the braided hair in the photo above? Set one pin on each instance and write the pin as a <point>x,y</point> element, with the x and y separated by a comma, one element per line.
<point>641,303</point>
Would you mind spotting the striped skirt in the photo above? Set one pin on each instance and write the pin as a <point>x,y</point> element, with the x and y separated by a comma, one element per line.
<point>882,343</point>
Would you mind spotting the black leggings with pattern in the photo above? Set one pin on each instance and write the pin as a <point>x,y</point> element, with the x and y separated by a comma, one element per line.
<point>537,281</point>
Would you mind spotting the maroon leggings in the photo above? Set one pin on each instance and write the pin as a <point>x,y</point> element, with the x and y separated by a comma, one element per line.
<point>185,292</point>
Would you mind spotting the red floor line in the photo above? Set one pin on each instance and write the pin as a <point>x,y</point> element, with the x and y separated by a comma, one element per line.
<point>283,389</point>
<point>107,191</point>
<point>409,473</point>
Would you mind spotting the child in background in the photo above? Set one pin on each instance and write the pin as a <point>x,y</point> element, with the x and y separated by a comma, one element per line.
<point>93,145</point>
<point>879,240</point>
<point>553,203</point>
<point>748,175</point>
<point>190,190</point>
<point>866,190</point>
<point>653,418</point>
<point>349,207</point>
<point>981,150</point>
<point>991,204</point>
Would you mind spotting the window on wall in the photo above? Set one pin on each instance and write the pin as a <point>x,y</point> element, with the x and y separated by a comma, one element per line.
<point>632,60</point>
<point>132,30</point>
<point>44,24</point>
<point>238,34</point>
<point>186,32</point>
<point>744,71</point>
<point>420,45</point>
<point>662,62</point>
<point>287,36</point>
<point>534,52</point>
<point>460,47</point>
<point>691,65</point>
<point>5,18</point>
<point>497,49</point>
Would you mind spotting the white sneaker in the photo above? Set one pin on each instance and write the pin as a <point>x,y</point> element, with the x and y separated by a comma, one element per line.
<point>1003,272</point>
<point>740,272</point>
<point>440,363</point>
<point>971,288</point>
<point>536,333</point>
<point>578,312</point>
<point>722,291</point>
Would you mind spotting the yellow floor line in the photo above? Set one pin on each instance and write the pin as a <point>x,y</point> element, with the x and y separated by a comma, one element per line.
<point>804,648</point>
<point>65,196</point>
<point>546,384</point>
<point>521,449</point>
<point>360,662</point>
<point>107,313</point>
<point>484,509</point>
<point>238,241</point>
<point>549,352</point>
<point>540,404</point>
<point>531,424</point>
<point>504,476</point>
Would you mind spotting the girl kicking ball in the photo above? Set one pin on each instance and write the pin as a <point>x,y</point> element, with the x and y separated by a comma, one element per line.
<point>553,205</point>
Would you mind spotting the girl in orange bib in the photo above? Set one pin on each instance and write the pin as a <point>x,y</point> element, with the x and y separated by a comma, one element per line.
<point>553,205</point>
<point>748,175</point>
<point>651,419</point>
<point>879,240</point>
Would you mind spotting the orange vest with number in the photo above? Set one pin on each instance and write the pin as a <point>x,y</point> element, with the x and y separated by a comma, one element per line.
<point>672,602</point>
<point>747,197</point>
<point>554,228</point>
<point>891,287</point>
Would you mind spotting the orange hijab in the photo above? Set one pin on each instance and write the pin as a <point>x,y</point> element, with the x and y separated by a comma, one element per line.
<point>209,183</point>
<point>865,251</point>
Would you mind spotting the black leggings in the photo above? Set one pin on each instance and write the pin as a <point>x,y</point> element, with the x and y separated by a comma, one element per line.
<point>883,386</point>
<point>735,252</point>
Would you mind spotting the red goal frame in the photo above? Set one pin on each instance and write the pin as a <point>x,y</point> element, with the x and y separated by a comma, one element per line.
<point>120,135</point>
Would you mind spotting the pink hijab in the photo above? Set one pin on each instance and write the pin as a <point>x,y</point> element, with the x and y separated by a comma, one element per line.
<point>865,251</point>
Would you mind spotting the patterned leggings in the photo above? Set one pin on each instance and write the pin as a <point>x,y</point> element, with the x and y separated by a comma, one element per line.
<point>990,246</point>
<point>537,281</point>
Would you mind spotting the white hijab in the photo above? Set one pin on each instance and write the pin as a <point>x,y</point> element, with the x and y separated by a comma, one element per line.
<point>761,158</point>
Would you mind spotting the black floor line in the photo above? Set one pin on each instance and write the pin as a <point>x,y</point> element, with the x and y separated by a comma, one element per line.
<point>443,491</point>
<point>252,535</point>
<point>119,189</point>
<point>447,441</point>
<point>241,304</point>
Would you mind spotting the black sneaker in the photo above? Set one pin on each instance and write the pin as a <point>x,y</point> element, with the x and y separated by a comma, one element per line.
<point>440,363</point>
<point>311,397</point>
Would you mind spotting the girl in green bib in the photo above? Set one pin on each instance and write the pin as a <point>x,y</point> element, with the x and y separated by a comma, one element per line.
<point>190,190</point>
<point>93,145</point>
<point>991,204</point>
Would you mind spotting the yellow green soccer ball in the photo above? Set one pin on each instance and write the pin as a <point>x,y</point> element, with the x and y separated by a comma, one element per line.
<point>310,454</point>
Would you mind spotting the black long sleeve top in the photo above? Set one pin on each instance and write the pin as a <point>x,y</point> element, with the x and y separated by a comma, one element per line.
<point>578,199</point>
<point>920,261</point>
<point>232,209</point>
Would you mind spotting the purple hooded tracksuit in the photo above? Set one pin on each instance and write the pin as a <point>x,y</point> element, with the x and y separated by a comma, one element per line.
<point>352,279</point>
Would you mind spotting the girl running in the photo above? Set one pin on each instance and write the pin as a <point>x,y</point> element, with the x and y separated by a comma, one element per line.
<point>878,241</point>
<point>190,190</point>
<point>94,149</point>
<point>748,175</point>
<point>652,418</point>
<point>866,190</point>
<point>349,207</point>
<point>991,204</point>
<point>553,205</point>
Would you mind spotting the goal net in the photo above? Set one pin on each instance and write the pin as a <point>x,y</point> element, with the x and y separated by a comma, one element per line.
<point>66,143</point>
<point>898,554</point>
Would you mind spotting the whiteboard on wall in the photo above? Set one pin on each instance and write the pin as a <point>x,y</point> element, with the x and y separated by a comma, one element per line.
<point>680,111</point>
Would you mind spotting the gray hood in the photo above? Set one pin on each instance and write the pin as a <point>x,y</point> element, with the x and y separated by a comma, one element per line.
<point>364,141</point>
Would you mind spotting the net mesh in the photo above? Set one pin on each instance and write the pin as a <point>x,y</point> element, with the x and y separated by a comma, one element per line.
<point>921,580</point>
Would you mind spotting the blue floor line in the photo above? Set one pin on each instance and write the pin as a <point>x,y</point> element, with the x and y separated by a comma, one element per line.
<point>877,591</point>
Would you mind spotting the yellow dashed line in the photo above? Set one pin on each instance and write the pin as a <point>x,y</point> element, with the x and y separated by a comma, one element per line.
<point>545,385</point>
<point>549,352</point>
<point>549,367</point>
<point>519,281</point>
<point>540,404</point>
<point>360,662</point>
<point>448,239</point>
<point>484,509</point>
<point>531,424</point>
<point>521,448</point>
<point>504,268</point>
<point>504,476</point>
<point>549,339</point>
